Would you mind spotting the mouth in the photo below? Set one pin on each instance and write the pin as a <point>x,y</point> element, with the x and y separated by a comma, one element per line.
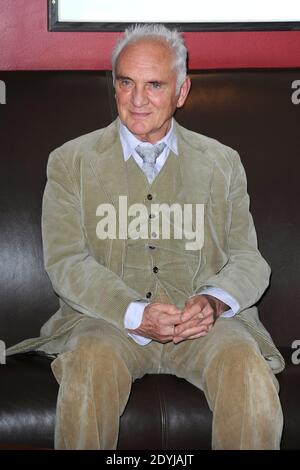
<point>139,115</point>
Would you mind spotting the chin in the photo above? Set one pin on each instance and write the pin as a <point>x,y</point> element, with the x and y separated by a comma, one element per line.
<point>139,129</point>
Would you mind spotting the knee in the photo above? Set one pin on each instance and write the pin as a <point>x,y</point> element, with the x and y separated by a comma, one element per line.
<point>88,355</point>
<point>234,353</point>
<point>236,358</point>
<point>240,369</point>
<point>97,351</point>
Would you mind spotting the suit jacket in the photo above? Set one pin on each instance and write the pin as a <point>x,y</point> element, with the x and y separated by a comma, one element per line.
<point>86,273</point>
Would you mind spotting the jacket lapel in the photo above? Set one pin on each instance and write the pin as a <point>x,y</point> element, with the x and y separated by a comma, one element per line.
<point>108,164</point>
<point>196,167</point>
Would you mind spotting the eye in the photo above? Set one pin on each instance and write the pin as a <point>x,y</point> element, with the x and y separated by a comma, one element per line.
<point>125,83</point>
<point>155,85</point>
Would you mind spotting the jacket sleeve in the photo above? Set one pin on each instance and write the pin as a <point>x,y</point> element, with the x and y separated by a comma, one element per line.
<point>246,274</point>
<point>76,276</point>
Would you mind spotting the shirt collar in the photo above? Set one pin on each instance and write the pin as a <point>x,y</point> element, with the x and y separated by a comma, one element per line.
<point>129,141</point>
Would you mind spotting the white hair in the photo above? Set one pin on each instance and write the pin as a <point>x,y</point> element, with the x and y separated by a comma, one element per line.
<point>158,32</point>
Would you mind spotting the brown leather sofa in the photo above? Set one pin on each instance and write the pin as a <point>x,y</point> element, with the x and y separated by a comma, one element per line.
<point>250,110</point>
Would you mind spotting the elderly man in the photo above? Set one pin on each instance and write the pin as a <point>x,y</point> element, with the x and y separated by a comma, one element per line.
<point>133,301</point>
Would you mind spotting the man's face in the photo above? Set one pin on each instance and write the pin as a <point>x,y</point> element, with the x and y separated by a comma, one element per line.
<point>145,89</point>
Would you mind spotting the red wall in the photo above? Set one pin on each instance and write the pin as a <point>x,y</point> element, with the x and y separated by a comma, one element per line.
<point>25,44</point>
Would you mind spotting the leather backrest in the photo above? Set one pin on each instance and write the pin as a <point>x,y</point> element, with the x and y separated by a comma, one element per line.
<point>253,112</point>
<point>43,110</point>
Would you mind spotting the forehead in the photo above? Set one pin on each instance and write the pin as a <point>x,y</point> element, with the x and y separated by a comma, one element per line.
<point>146,55</point>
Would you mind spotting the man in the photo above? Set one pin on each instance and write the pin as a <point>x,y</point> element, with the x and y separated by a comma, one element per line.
<point>136,302</point>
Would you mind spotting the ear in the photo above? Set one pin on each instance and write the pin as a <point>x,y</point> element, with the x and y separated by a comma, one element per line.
<point>184,91</point>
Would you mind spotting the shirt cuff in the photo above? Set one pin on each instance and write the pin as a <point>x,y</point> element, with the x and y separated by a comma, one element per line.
<point>132,320</point>
<point>224,297</point>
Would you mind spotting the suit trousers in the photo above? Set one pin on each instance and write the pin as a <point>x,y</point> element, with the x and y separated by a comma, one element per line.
<point>99,362</point>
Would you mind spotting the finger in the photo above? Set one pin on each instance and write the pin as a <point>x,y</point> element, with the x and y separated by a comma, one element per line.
<point>179,339</point>
<point>191,311</point>
<point>195,321</point>
<point>166,333</point>
<point>180,328</point>
<point>165,314</point>
<point>205,313</point>
<point>190,301</point>
<point>208,312</point>
<point>205,306</point>
<point>209,320</point>
<point>203,333</point>
<point>199,335</point>
<point>191,332</point>
<point>170,320</point>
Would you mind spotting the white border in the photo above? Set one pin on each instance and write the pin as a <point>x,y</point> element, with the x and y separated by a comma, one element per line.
<point>178,11</point>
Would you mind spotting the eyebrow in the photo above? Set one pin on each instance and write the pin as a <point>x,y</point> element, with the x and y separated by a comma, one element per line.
<point>123,77</point>
<point>156,81</point>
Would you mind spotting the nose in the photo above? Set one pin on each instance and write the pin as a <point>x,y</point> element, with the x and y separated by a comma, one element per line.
<point>139,96</point>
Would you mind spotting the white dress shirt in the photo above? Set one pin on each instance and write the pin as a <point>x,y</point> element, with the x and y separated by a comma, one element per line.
<point>134,313</point>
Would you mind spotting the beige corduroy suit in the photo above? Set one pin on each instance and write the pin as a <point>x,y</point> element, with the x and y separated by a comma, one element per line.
<point>96,280</point>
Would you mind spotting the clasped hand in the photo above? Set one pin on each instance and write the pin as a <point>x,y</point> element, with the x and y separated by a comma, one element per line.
<point>165,322</point>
